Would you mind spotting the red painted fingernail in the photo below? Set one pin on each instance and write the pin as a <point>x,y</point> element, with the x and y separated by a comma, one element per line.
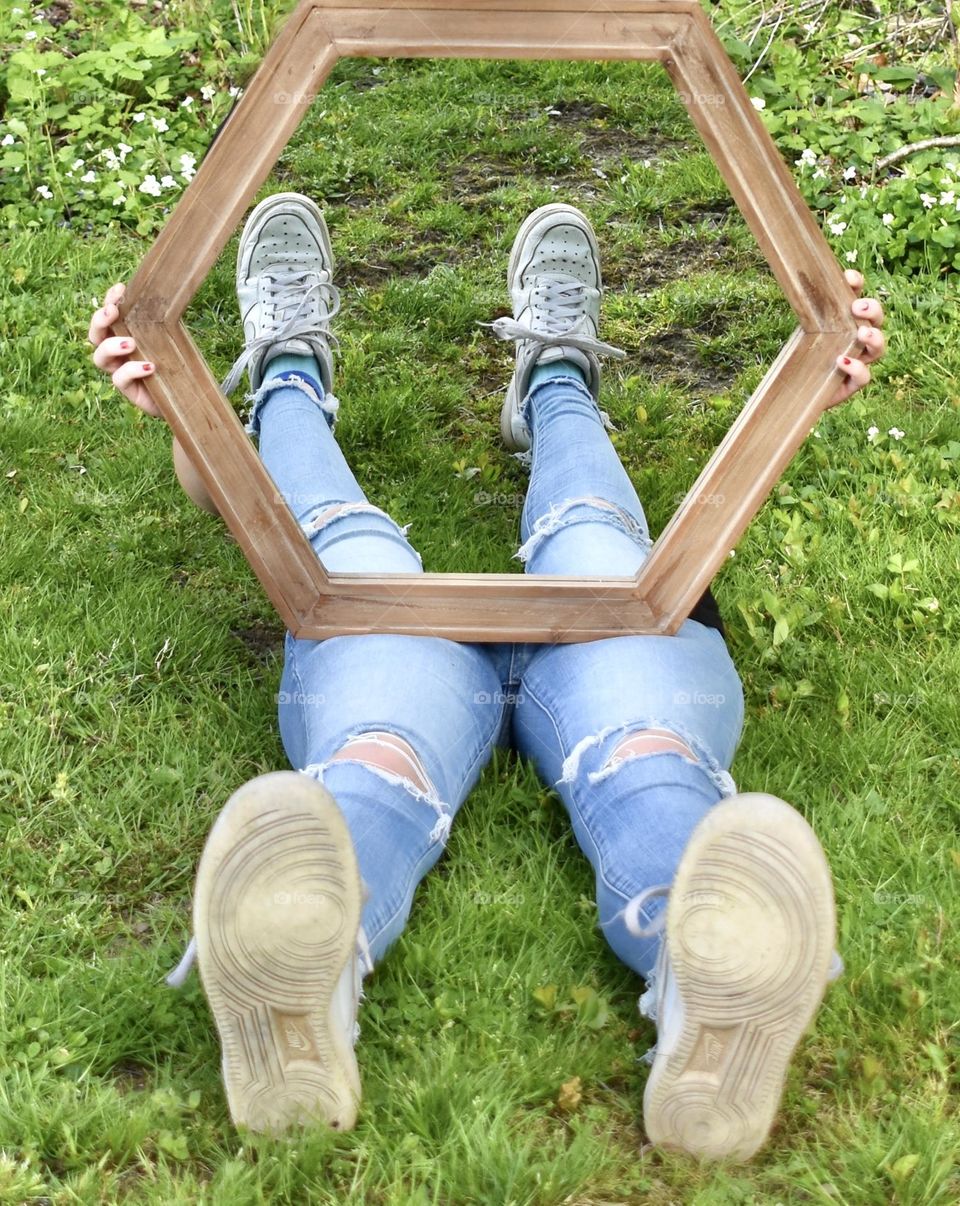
<point>847,360</point>
<point>126,345</point>
<point>148,368</point>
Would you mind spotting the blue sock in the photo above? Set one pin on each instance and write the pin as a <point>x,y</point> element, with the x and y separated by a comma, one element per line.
<point>303,366</point>
<point>556,368</point>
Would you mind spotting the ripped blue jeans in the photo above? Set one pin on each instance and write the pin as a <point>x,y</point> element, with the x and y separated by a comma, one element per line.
<point>565,707</point>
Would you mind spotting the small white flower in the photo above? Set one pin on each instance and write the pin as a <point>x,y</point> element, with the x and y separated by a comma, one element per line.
<point>837,228</point>
<point>138,117</point>
<point>160,124</point>
<point>850,173</point>
<point>186,102</point>
<point>864,190</point>
<point>208,92</point>
<point>7,141</point>
<point>16,12</point>
<point>168,182</point>
<point>808,157</point>
<point>41,71</point>
<point>233,90</point>
<point>872,433</point>
<point>928,201</point>
<point>89,177</point>
<point>150,185</point>
<point>758,102</point>
<point>30,35</point>
<point>888,219</point>
<point>819,174</point>
<point>124,150</point>
<point>948,198</point>
<point>44,192</point>
<point>896,433</point>
<point>118,200</point>
<point>188,165</point>
<point>851,257</point>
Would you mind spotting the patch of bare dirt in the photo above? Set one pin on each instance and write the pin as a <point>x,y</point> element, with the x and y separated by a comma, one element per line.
<point>263,642</point>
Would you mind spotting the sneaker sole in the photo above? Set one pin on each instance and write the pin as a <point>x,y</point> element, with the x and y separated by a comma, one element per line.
<point>276,912</point>
<point>511,404</point>
<point>751,928</point>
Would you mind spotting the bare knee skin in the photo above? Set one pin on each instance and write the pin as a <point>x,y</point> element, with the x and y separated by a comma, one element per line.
<point>387,752</point>
<point>651,741</point>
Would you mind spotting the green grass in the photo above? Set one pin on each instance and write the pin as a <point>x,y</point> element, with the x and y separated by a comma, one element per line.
<point>140,660</point>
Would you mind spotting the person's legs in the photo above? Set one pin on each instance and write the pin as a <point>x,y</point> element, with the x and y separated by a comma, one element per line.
<point>396,730</point>
<point>638,734</point>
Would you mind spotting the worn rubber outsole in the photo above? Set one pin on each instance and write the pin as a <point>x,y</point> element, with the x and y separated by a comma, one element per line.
<point>750,932</point>
<point>276,912</point>
<point>511,404</point>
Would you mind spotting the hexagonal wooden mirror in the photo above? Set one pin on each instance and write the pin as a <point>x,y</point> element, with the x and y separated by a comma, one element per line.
<point>493,607</point>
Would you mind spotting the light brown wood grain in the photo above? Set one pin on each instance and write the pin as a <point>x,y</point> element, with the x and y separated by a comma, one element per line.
<point>493,607</point>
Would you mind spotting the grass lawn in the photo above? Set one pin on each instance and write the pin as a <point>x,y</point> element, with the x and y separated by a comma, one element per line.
<point>140,661</point>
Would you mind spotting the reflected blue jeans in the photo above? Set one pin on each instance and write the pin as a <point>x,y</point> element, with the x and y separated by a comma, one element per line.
<point>565,707</point>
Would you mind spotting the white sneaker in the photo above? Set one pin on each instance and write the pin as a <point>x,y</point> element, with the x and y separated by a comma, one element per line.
<point>743,966</point>
<point>285,288</point>
<point>276,916</point>
<point>555,285</point>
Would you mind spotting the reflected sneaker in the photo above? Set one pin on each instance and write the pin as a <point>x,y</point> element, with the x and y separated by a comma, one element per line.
<point>276,917</point>
<point>745,959</point>
<point>555,285</point>
<point>285,289</point>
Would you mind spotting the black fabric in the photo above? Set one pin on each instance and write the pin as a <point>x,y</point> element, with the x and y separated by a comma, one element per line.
<point>708,613</point>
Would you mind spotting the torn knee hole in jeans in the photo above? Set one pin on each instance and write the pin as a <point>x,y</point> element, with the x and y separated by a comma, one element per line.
<point>329,513</point>
<point>392,759</point>
<point>642,739</point>
<point>558,517</point>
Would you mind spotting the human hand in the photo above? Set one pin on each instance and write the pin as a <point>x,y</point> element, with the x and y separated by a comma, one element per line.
<point>869,314</point>
<point>112,354</point>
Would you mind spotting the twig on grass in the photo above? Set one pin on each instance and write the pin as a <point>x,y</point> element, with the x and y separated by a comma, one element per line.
<point>945,140</point>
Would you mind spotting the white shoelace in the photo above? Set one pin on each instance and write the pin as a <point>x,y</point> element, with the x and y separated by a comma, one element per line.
<point>631,912</point>
<point>298,306</point>
<point>564,322</point>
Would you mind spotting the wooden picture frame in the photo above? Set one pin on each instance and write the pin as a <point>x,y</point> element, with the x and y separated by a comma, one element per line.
<point>493,607</point>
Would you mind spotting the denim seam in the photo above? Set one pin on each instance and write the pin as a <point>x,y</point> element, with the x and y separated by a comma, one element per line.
<point>574,806</point>
<point>484,752</point>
